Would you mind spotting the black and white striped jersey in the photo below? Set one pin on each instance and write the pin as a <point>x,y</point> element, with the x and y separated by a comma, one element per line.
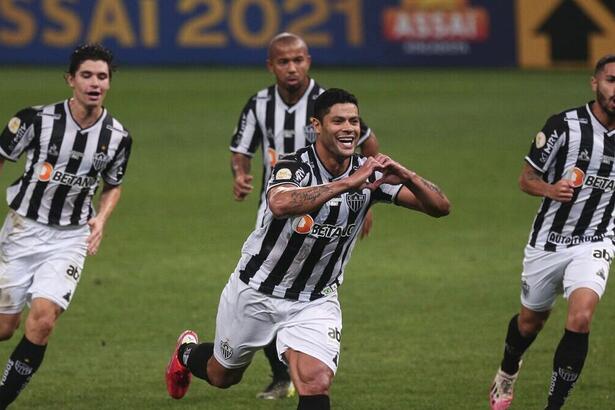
<point>63,162</point>
<point>279,129</point>
<point>574,145</point>
<point>303,257</point>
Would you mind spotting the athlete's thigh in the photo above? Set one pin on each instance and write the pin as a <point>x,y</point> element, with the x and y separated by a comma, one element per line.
<point>589,267</point>
<point>56,278</point>
<point>19,255</point>
<point>542,276</point>
<point>313,328</point>
<point>244,324</point>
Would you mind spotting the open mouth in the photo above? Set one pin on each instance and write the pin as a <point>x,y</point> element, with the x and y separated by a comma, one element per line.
<point>93,94</point>
<point>346,141</point>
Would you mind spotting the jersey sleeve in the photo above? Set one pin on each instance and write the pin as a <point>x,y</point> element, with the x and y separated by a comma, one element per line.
<point>546,143</point>
<point>385,193</point>
<point>18,134</point>
<point>247,135</point>
<point>365,132</point>
<point>290,171</point>
<point>114,173</point>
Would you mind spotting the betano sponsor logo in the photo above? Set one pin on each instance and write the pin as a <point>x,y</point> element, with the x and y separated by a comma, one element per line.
<point>305,225</point>
<point>66,178</point>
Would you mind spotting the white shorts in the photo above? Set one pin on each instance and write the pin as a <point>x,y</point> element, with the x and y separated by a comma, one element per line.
<point>39,261</point>
<point>249,320</point>
<point>547,274</point>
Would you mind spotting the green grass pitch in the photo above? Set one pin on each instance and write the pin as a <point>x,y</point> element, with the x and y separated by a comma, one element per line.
<point>426,302</point>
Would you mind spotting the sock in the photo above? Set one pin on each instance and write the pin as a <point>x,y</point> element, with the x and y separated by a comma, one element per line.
<point>318,402</point>
<point>24,361</point>
<point>515,346</point>
<point>195,358</point>
<point>279,369</point>
<point>567,365</point>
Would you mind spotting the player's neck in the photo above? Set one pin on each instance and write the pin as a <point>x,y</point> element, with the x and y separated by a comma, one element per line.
<point>84,116</point>
<point>292,97</point>
<point>335,165</point>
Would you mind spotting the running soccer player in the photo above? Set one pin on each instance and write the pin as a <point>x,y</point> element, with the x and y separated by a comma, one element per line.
<point>570,248</point>
<point>51,223</point>
<point>291,267</point>
<point>277,118</point>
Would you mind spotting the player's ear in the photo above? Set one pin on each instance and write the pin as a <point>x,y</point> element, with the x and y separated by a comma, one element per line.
<point>594,83</point>
<point>316,124</point>
<point>270,66</point>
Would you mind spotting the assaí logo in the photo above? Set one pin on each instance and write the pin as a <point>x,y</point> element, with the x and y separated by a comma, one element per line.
<point>435,20</point>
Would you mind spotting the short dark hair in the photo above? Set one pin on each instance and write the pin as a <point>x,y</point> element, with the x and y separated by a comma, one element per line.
<point>90,51</point>
<point>329,98</point>
<point>609,58</point>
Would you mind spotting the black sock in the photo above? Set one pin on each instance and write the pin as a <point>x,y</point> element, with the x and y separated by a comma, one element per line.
<point>24,361</point>
<point>279,369</point>
<point>567,365</point>
<point>515,346</point>
<point>195,358</point>
<point>318,402</point>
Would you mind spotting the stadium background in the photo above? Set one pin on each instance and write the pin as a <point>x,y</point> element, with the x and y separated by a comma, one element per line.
<point>455,89</point>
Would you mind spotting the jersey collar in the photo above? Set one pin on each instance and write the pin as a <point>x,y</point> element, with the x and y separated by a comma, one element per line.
<point>70,118</point>
<point>305,95</point>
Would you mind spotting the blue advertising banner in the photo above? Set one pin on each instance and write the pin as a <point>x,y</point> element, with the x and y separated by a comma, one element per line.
<point>339,32</point>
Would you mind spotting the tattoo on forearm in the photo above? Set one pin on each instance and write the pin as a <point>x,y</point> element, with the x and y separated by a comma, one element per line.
<point>309,195</point>
<point>433,187</point>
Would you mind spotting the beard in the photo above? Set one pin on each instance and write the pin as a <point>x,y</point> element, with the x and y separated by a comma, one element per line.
<point>604,101</point>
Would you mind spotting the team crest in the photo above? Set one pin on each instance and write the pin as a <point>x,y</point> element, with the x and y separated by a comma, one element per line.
<point>355,201</point>
<point>100,161</point>
<point>310,133</point>
<point>227,350</point>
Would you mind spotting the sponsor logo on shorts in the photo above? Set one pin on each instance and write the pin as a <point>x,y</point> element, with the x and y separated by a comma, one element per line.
<point>602,254</point>
<point>227,350</point>
<point>67,296</point>
<point>560,239</point>
<point>329,290</point>
<point>73,272</point>
<point>525,288</point>
<point>601,274</point>
<point>334,334</point>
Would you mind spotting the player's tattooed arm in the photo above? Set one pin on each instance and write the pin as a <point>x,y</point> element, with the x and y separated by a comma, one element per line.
<point>431,186</point>
<point>532,183</point>
<point>288,200</point>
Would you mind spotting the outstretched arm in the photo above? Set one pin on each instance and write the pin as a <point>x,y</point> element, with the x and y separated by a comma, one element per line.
<point>108,200</point>
<point>531,182</point>
<point>417,193</point>
<point>242,183</point>
<point>288,200</point>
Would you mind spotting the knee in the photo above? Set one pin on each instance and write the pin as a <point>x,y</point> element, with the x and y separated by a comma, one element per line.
<point>8,327</point>
<point>532,325</point>
<point>39,327</point>
<point>223,381</point>
<point>314,384</point>
<point>579,321</point>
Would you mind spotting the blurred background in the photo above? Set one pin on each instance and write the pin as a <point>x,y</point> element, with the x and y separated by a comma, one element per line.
<point>454,89</point>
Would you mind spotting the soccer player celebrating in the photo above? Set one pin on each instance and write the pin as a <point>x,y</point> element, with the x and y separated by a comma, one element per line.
<point>51,223</point>
<point>292,265</point>
<point>278,119</point>
<point>570,248</point>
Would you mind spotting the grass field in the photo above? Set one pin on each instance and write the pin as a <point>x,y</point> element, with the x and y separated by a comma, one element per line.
<point>426,302</point>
